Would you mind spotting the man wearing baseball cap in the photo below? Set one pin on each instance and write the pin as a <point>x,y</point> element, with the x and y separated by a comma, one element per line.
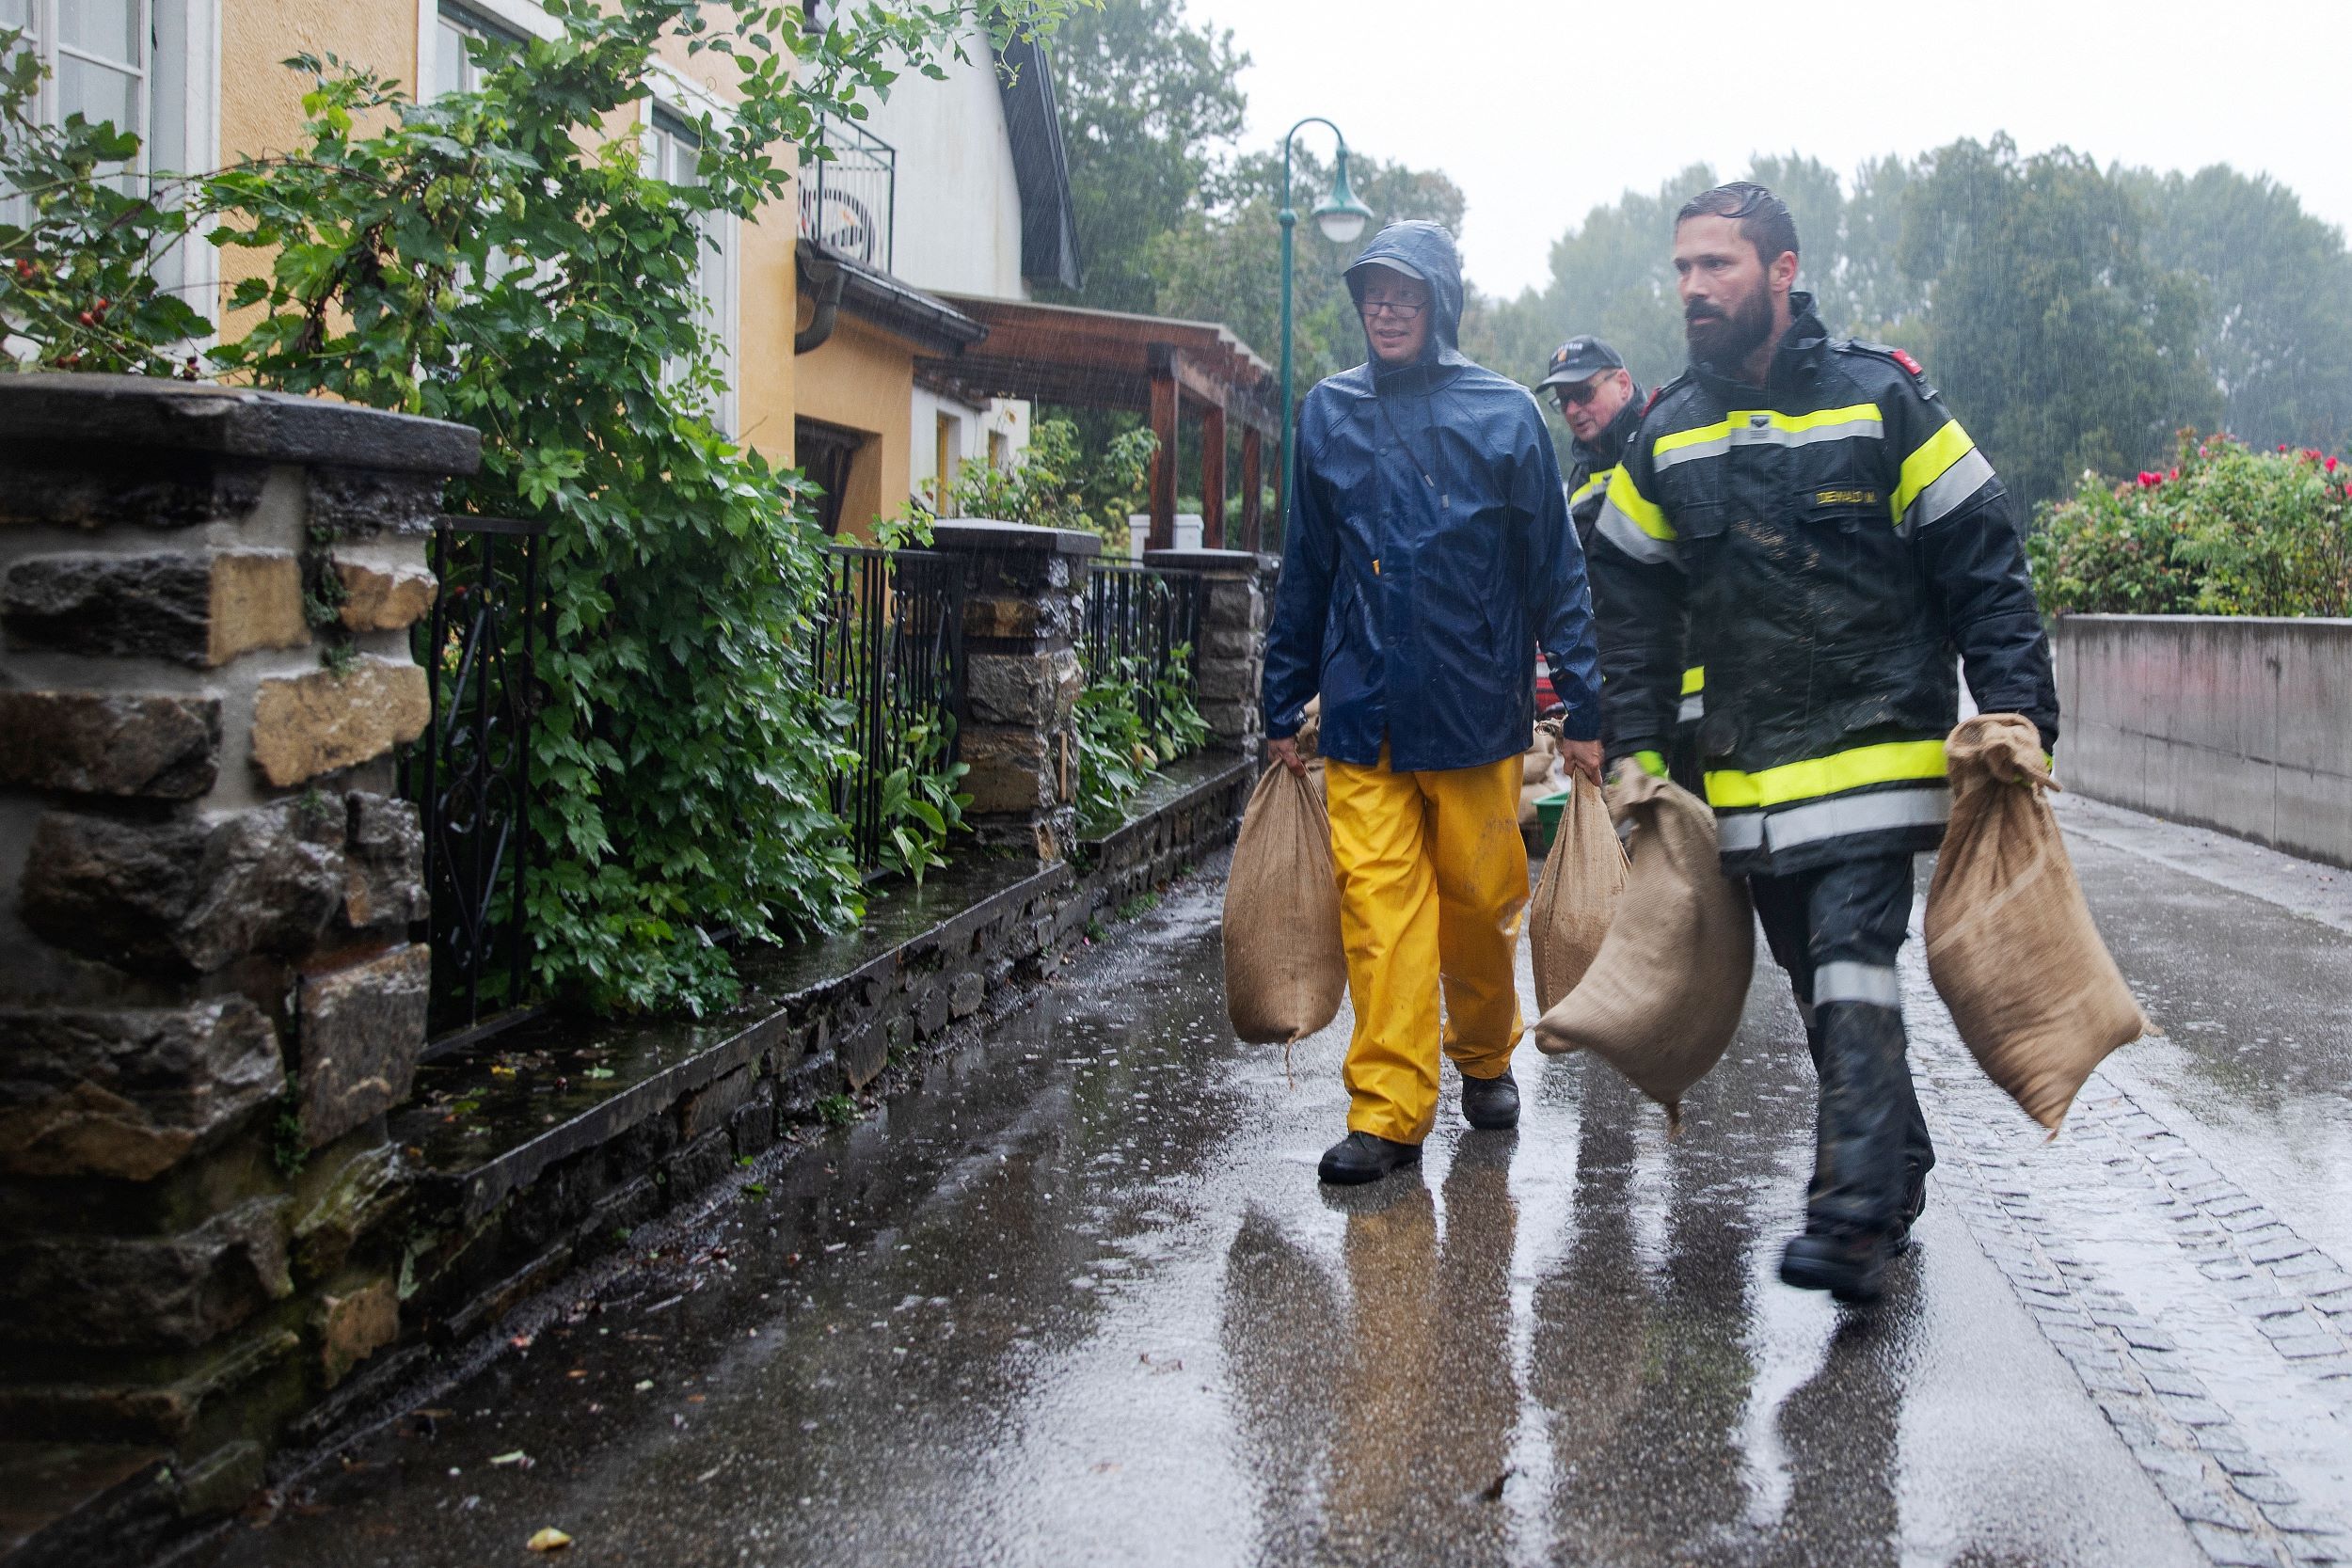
<point>1602,407</point>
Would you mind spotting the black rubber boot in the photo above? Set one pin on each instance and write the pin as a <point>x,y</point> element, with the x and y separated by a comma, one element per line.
<point>1491,1104</point>
<point>1362,1157</point>
<point>1914,1204</point>
<point>1850,1265</point>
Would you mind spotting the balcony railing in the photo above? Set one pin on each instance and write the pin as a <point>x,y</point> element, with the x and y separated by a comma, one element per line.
<point>849,201</point>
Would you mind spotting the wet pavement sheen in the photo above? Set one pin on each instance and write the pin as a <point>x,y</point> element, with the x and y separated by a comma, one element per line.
<point>1079,1299</point>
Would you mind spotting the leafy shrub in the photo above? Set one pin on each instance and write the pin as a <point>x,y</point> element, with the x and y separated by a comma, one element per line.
<point>920,806</point>
<point>1119,749</point>
<point>2226,532</point>
<point>1056,485</point>
<point>499,258</point>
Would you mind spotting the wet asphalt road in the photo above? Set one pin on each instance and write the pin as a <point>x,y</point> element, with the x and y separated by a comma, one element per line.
<point>1079,1300</point>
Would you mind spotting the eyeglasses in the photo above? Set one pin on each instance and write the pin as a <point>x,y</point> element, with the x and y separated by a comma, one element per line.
<point>1403,309</point>
<point>1578,395</point>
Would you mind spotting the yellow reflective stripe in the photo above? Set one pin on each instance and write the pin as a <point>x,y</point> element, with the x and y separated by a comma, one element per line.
<point>1674,440</point>
<point>1694,679</point>
<point>1591,486</point>
<point>1926,465</point>
<point>1891,763</point>
<point>1639,509</point>
<point>1745,418</point>
<point>1651,763</point>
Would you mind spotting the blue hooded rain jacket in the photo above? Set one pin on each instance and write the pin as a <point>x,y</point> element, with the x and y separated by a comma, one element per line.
<point>1428,553</point>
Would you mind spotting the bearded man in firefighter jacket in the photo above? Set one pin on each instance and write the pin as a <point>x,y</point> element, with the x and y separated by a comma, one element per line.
<point>1829,536</point>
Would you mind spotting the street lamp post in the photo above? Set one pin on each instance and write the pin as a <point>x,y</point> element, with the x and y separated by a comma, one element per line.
<point>1341,218</point>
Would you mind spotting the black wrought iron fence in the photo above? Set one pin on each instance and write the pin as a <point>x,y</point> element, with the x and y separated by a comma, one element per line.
<point>889,652</point>
<point>1143,624</point>
<point>469,774</point>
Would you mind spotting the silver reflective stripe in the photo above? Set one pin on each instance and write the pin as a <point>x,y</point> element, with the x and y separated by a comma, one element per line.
<point>1956,484</point>
<point>1845,815</point>
<point>1769,436</point>
<point>1693,708</point>
<point>1740,829</point>
<point>1624,532</point>
<point>1875,984</point>
<point>1675,456</point>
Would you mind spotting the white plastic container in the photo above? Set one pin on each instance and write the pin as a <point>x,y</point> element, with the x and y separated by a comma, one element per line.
<point>1138,534</point>
<point>1188,527</point>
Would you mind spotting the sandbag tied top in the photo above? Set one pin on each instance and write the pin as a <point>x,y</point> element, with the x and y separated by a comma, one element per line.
<point>1576,898</point>
<point>2010,941</point>
<point>1285,970</point>
<point>1664,994</point>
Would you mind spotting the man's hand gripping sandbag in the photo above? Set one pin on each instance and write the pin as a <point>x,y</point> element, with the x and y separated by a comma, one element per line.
<point>1284,968</point>
<point>1664,994</point>
<point>2010,945</point>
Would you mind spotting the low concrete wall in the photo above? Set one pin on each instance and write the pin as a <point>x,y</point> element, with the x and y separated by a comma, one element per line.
<point>2239,724</point>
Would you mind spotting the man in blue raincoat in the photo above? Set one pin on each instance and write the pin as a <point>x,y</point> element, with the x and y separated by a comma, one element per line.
<point>1428,547</point>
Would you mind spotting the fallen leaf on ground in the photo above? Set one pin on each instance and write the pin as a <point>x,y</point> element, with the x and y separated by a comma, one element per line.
<point>517,1457</point>
<point>548,1540</point>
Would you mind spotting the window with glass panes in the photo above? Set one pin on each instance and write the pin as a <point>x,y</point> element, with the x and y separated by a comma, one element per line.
<point>135,65</point>
<point>453,70</point>
<point>673,153</point>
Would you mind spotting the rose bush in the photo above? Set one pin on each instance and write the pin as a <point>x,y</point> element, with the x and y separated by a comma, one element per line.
<point>2226,532</point>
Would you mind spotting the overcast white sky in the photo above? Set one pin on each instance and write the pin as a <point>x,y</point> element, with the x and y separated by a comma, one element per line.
<point>1540,109</point>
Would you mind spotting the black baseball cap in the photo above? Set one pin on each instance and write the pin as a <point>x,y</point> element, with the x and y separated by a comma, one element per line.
<point>1581,360</point>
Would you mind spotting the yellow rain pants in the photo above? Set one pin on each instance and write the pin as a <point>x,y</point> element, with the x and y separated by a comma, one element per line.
<point>1433,881</point>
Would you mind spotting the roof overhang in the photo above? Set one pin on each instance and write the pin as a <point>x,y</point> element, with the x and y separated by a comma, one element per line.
<point>1068,354</point>
<point>1040,164</point>
<point>932,325</point>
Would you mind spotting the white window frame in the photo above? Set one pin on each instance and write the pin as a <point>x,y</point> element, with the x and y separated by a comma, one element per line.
<point>191,268</point>
<point>519,17</point>
<point>688,101</point>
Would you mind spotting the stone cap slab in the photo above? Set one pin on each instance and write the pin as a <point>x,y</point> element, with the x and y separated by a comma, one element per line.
<point>1210,561</point>
<point>978,534</point>
<point>137,411</point>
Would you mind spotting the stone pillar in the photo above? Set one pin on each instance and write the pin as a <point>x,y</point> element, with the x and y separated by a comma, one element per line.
<point>1023,615</point>
<point>207,880</point>
<point>1237,600</point>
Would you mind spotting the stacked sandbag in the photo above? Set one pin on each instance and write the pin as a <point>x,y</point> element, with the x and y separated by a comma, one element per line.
<point>1663,995</point>
<point>2010,944</point>
<point>1310,737</point>
<point>1585,875</point>
<point>1284,968</point>
<point>1539,772</point>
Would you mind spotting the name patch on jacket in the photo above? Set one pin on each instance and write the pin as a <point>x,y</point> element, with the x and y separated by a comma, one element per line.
<point>1846,497</point>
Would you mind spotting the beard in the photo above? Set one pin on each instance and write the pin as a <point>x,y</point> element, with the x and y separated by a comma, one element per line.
<point>1724,342</point>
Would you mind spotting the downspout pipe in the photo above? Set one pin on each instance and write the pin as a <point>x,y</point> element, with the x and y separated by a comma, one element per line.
<point>827,277</point>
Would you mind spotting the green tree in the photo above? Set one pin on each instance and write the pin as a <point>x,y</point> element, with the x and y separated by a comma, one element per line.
<point>1223,263</point>
<point>2061,345</point>
<point>2280,283</point>
<point>1150,104</point>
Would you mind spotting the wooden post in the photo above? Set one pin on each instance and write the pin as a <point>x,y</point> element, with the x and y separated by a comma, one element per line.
<point>1213,477</point>
<point>1252,489</point>
<point>1166,405</point>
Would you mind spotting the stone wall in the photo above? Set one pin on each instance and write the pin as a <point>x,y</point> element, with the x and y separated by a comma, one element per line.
<point>2234,722</point>
<point>210,1000</point>
<point>1235,607</point>
<point>1025,614</point>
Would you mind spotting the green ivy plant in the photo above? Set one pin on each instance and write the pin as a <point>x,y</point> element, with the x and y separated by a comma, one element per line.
<point>79,242</point>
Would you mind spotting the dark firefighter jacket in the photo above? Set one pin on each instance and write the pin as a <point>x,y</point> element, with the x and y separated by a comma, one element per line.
<point>1829,540</point>
<point>1593,464</point>
<point>1429,548</point>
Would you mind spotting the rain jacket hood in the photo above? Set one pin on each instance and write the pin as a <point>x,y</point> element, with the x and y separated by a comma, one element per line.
<point>1428,248</point>
<point>1428,554</point>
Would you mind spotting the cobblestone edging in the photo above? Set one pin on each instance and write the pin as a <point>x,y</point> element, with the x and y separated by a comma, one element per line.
<point>2285,1293</point>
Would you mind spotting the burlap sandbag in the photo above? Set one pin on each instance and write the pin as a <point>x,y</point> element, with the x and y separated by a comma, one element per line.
<point>1541,758</point>
<point>2010,945</point>
<point>1663,996</point>
<point>1528,795</point>
<point>1575,897</point>
<point>1284,969</point>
